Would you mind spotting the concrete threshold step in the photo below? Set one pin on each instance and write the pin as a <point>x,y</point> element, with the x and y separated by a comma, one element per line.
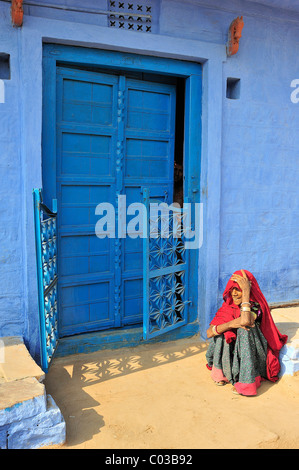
<point>29,418</point>
<point>21,399</point>
<point>16,362</point>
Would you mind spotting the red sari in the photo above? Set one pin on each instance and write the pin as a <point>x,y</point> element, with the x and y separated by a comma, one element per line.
<point>228,311</point>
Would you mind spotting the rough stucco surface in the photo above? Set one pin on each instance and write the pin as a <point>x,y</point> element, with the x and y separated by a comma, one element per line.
<point>11,255</point>
<point>259,161</point>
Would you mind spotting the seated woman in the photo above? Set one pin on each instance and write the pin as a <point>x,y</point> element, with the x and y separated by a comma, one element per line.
<point>245,343</point>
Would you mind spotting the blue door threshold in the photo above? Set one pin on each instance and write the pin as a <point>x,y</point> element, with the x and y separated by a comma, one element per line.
<point>118,338</point>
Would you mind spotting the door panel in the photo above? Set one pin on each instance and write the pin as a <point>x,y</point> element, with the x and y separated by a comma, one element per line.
<point>85,305</point>
<point>86,155</point>
<point>87,102</point>
<point>83,254</point>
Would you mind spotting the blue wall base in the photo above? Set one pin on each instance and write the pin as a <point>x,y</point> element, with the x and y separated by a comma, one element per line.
<point>29,418</point>
<point>46,428</point>
<point>289,359</point>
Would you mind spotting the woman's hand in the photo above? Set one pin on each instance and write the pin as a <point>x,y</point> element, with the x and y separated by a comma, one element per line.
<point>244,285</point>
<point>236,323</point>
<point>246,317</point>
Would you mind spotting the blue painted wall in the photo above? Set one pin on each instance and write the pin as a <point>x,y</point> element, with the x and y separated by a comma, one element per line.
<point>260,170</point>
<point>12,308</point>
<point>250,145</point>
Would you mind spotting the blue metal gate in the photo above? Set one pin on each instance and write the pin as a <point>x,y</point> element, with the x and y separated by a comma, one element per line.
<point>165,268</point>
<point>46,260</point>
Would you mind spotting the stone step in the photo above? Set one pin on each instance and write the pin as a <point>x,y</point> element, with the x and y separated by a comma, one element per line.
<point>45,429</point>
<point>21,399</point>
<point>29,418</point>
<point>16,362</point>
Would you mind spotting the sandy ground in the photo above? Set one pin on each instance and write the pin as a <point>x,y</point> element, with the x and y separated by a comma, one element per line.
<point>161,396</point>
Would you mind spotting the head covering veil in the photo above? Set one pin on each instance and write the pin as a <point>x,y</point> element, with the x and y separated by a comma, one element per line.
<point>228,311</point>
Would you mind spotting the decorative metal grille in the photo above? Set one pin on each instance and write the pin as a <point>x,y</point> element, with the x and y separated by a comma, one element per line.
<point>46,256</point>
<point>131,15</point>
<point>165,273</point>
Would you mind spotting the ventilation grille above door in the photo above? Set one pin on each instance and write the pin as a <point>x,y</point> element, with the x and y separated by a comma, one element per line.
<point>132,15</point>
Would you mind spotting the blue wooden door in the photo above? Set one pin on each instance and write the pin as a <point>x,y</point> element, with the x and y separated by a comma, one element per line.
<point>114,136</point>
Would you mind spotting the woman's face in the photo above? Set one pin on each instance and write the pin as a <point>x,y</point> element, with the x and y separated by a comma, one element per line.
<point>236,296</point>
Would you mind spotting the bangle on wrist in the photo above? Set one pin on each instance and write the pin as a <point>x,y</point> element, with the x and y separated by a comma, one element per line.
<point>214,330</point>
<point>245,309</point>
<point>248,303</point>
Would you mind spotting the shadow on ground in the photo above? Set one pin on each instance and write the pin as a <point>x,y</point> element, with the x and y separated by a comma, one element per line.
<point>69,378</point>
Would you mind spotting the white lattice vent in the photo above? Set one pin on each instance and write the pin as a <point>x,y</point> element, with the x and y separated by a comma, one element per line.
<point>131,15</point>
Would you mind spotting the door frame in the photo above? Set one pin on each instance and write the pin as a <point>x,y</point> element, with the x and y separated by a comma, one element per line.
<point>191,72</point>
